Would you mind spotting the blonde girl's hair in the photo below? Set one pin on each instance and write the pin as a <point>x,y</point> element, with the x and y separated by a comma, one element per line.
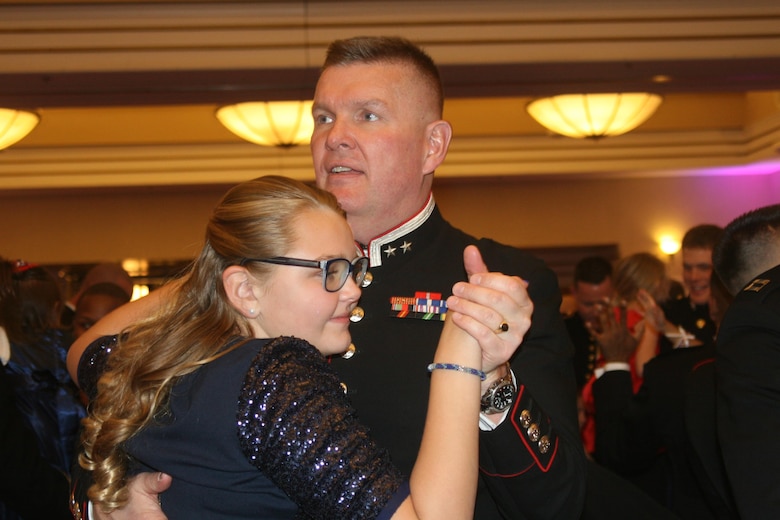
<point>638,271</point>
<point>253,220</point>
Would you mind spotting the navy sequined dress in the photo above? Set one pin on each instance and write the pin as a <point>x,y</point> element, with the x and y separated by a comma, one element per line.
<point>264,431</point>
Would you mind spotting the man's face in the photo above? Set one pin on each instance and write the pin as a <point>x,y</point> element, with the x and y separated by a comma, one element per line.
<point>697,271</point>
<point>591,298</point>
<point>369,143</point>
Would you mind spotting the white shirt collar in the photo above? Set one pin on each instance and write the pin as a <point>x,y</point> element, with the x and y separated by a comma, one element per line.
<point>374,248</point>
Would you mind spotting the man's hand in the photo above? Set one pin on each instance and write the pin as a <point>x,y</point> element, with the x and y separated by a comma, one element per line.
<point>616,342</point>
<point>143,505</point>
<point>482,304</point>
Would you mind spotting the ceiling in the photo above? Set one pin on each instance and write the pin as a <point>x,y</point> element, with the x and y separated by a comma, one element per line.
<point>127,89</point>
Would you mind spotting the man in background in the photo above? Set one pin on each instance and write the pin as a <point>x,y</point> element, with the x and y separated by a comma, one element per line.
<point>693,312</point>
<point>101,273</point>
<point>592,290</point>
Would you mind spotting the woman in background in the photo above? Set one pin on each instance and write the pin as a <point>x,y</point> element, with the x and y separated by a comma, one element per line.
<point>641,282</point>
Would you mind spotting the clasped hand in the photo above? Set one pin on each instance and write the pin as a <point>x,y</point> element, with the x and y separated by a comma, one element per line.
<point>482,304</point>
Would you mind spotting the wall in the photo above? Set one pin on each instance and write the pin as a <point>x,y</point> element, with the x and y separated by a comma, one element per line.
<point>76,226</point>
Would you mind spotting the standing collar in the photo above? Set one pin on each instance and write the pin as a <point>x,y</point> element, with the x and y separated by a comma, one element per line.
<point>374,248</point>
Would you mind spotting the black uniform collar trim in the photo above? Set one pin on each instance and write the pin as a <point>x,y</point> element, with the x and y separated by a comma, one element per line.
<point>383,246</point>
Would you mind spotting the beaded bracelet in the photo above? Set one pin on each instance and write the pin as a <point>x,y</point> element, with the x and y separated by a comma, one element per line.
<point>459,368</point>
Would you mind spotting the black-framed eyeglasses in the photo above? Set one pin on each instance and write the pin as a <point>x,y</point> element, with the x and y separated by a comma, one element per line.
<point>335,271</point>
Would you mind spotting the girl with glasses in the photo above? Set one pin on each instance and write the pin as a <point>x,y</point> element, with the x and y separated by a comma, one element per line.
<point>221,380</point>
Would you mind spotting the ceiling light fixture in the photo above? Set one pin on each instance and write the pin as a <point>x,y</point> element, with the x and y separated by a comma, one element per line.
<point>15,125</point>
<point>273,123</point>
<point>594,115</point>
<point>269,123</point>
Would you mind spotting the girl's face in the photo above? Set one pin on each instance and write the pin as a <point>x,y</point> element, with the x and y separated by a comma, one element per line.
<point>293,301</point>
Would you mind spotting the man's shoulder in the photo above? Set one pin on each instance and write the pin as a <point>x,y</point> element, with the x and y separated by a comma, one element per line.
<point>510,260</point>
<point>510,256</point>
<point>496,250</point>
<point>755,311</point>
<point>677,306</point>
<point>764,288</point>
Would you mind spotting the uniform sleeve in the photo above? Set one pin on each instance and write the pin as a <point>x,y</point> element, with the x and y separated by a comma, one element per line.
<point>296,425</point>
<point>748,387</point>
<point>533,464</point>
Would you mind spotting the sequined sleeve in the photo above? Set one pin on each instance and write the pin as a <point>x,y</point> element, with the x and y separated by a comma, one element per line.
<point>93,363</point>
<point>296,425</point>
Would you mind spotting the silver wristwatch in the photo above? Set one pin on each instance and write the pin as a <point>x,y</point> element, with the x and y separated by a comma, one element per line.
<point>500,395</point>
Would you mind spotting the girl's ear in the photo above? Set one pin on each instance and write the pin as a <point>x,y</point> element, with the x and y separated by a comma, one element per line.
<point>239,287</point>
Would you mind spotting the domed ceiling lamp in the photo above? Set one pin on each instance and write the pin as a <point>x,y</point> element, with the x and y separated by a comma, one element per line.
<point>273,123</point>
<point>15,125</point>
<point>269,123</point>
<point>594,115</point>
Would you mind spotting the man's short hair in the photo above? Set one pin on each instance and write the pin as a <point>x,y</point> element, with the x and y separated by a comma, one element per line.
<point>592,269</point>
<point>750,244</point>
<point>391,49</point>
<point>703,236</point>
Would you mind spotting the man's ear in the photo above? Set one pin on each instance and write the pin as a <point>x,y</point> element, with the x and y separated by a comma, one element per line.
<point>240,290</point>
<point>439,136</point>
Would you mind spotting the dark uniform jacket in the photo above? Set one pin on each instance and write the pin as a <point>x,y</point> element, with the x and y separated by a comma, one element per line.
<point>585,348</point>
<point>413,269</point>
<point>648,437</point>
<point>748,377</point>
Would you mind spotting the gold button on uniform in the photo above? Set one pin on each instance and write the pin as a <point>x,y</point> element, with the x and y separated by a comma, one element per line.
<point>544,444</point>
<point>525,418</point>
<point>367,279</point>
<point>357,314</point>
<point>349,352</point>
<point>534,433</point>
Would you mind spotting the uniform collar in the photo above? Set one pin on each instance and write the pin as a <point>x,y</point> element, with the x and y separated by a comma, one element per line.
<point>384,246</point>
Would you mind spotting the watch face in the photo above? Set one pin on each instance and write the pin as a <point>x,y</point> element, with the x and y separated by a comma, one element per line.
<point>503,397</point>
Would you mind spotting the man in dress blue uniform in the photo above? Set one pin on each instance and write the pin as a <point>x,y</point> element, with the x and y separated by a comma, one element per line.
<point>748,361</point>
<point>378,138</point>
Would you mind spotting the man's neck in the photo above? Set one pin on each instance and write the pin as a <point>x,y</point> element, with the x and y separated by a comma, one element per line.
<point>366,230</point>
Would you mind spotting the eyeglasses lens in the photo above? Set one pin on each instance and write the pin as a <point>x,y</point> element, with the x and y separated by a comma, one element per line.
<point>336,274</point>
<point>359,269</point>
<point>339,269</point>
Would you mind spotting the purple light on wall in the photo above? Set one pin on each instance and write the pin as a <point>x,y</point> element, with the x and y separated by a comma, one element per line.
<point>757,168</point>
